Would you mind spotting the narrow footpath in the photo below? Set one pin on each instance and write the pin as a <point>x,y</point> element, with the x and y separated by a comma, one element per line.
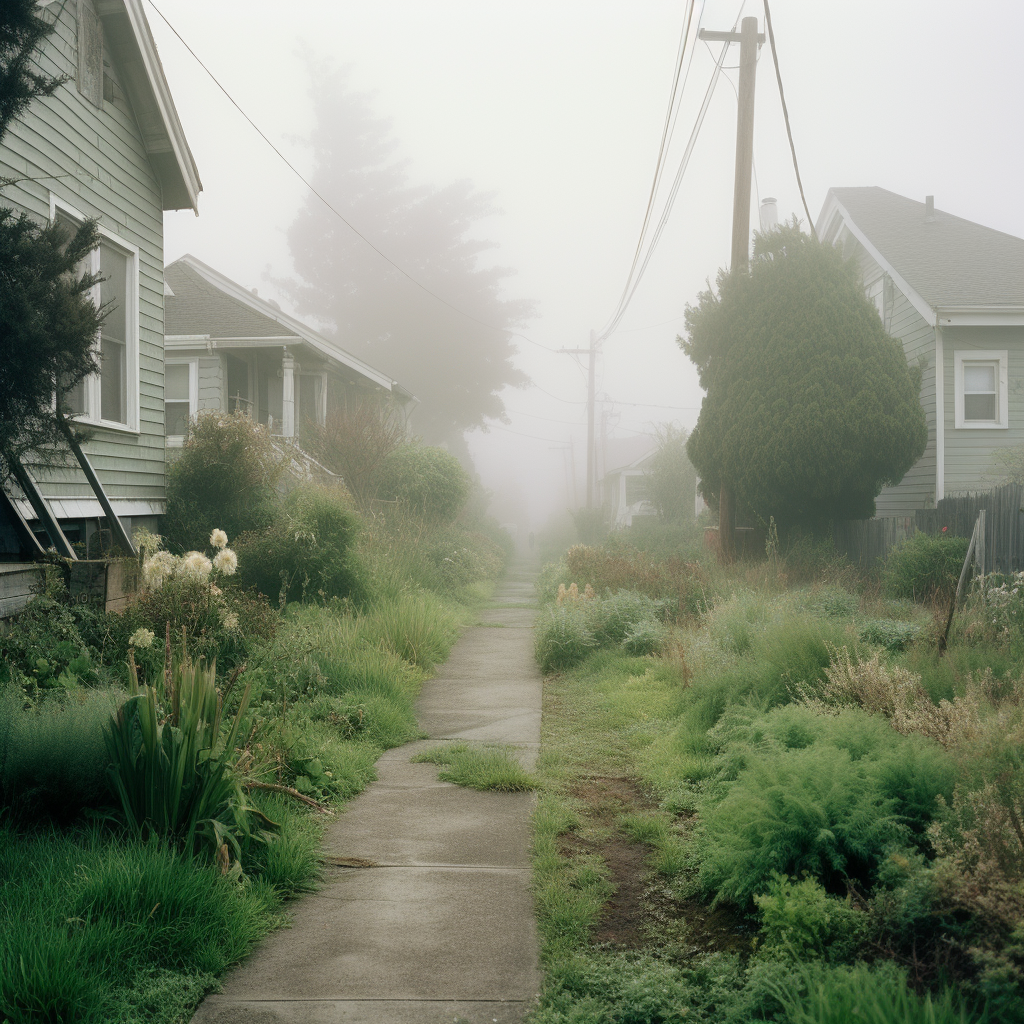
<point>436,925</point>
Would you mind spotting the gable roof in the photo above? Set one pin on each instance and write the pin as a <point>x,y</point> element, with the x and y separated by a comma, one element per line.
<point>129,39</point>
<point>201,303</point>
<point>627,452</point>
<point>953,270</point>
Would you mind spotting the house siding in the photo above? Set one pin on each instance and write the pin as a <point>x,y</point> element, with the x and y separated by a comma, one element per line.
<point>972,462</point>
<point>212,378</point>
<point>94,160</point>
<point>916,489</point>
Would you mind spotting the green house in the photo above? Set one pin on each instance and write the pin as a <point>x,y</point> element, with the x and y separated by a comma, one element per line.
<point>107,145</point>
<point>953,292</point>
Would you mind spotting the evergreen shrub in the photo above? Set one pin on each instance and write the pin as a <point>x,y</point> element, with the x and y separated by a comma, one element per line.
<point>308,552</point>
<point>425,481</point>
<point>225,477</point>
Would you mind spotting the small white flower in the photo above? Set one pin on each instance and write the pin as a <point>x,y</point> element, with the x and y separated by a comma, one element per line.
<point>226,561</point>
<point>230,621</point>
<point>142,638</point>
<point>218,539</point>
<point>158,569</point>
<point>194,565</point>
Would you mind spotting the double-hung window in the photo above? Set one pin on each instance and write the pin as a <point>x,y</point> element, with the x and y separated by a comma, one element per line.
<point>980,380</point>
<point>111,396</point>
<point>181,398</point>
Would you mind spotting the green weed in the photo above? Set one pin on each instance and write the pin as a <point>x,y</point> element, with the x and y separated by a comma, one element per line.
<point>484,768</point>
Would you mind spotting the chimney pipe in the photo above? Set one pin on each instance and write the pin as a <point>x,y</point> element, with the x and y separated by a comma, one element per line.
<point>769,213</point>
<point>929,209</point>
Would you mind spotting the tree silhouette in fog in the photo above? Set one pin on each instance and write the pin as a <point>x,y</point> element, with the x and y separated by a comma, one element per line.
<point>455,366</point>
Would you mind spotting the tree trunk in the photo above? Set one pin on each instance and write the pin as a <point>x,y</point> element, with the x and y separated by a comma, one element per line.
<point>726,523</point>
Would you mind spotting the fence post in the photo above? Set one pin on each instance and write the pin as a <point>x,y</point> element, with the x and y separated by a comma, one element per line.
<point>980,549</point>
<point>960,583</point>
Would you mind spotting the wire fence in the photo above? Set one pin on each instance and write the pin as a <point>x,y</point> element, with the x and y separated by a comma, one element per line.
<point>865,541</point>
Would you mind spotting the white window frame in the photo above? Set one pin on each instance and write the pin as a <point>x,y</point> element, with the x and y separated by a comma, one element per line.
<point>991,357</point>
<point>177,440</point>
<point>91,384</point>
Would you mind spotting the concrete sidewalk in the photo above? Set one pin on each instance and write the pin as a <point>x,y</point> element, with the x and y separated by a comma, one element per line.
<point>439,926</point>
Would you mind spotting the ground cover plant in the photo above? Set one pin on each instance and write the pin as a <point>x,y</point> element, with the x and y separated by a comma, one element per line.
<point>795,811</point>
<point>483,768</point>
<point>166,773</point>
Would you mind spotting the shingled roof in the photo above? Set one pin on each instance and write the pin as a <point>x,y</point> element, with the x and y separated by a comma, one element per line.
<point>197,307</point>
<point>201,303</point>
<point>950,262</point>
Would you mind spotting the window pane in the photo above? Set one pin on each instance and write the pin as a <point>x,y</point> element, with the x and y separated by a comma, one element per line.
<point>113,389</point>
<point>980,407</point>
<point>114,268</point>
<point>979,378</point>
<point>176,418</point>
<point>113,335</point>
<point>176,382</point>
<point>74,398</point>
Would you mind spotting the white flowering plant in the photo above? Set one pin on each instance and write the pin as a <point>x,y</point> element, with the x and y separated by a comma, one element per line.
<point>998,599</point>
<point>191,593</point>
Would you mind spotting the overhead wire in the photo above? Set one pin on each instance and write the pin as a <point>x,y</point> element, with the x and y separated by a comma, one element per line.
<point>674,191</point>
<point>330,206</point>
<point>785,114</point>
<point>666,138</point>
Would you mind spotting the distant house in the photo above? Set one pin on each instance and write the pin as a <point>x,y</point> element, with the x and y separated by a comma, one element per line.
<point>953,292</point>
<point>623,484</point>
<point>228,349</point>
<point>108,145</point>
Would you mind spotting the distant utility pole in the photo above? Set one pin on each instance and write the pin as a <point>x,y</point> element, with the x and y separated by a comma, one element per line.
<point>591,353</point>
<point>749,39</point>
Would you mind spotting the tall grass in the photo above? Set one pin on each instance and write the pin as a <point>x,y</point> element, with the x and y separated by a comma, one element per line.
<point>80,910</point>
<point>53,761</point>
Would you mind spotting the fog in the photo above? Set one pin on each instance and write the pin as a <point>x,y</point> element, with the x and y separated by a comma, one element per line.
<point>557,108</point>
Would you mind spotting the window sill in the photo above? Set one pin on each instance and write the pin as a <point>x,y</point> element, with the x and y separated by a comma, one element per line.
<point>982,426</point>
<point>114,428</point>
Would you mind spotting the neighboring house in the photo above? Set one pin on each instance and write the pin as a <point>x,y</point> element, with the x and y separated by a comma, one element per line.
<point>623,487</point>
<point>108,145</point>
<point>228,349</point>
<point>953,292</point>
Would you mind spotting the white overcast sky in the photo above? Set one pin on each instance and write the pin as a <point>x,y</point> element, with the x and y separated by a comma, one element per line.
<point>557,107</point>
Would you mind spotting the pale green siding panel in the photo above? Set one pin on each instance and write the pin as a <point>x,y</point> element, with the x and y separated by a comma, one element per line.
<point>971,455</point>
<point>916,489</point>
<point>66,133</point>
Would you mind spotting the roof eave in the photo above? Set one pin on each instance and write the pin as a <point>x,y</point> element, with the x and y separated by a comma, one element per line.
<point>307,334</point>
<point>131,42</point>
<point>981,316</point>
<point>832,206</point>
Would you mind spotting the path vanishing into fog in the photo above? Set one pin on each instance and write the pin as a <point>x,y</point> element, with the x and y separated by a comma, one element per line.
<point>438,925</point>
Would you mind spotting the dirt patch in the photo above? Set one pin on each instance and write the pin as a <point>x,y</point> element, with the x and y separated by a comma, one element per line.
<point>624,918</point>
<point>642,912</point>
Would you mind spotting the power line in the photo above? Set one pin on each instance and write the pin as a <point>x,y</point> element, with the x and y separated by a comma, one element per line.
<point>568,401</point>
<point>785,114</point>
<point>327,203</point>
<point>684,162</point>
<point>659,165</point>
<point>650,327</point>
<point>671,117</point>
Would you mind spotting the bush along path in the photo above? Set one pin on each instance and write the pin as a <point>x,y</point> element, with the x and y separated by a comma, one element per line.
<point>425,913</point>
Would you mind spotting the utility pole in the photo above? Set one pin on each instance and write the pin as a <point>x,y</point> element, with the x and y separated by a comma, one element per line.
<point>591,448</point>
<point>749,39</point>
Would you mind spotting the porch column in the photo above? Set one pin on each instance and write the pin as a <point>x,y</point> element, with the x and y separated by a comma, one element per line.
<point>321,413</point>
<point>287,394</point>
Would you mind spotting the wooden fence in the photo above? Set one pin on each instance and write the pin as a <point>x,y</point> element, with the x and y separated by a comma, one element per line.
<point>865,541</point>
